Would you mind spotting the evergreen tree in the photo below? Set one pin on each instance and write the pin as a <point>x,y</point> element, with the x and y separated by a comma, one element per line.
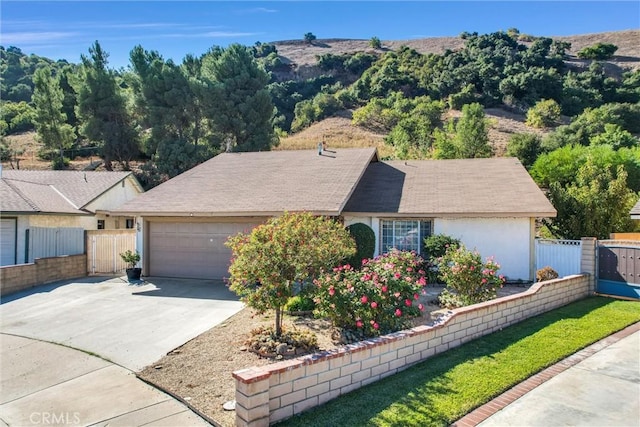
<point>170,98</point>
<point>103,112</point>
<point>241,108</point>
<point>70,96</point>
<point>50,123</point>
<point>472,138</point>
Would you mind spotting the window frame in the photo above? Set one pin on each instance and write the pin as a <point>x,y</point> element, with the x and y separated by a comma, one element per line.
<point>424,228</point>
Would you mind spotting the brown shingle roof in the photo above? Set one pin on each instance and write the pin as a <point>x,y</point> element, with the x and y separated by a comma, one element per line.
<point>65,192</point>
<point>467,187</point>
<point>262,183</point>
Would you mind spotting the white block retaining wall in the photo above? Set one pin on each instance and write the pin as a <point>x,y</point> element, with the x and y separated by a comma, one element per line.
<point>271,393</point>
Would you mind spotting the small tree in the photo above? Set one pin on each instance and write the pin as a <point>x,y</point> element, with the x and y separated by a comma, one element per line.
<point>544,114</point>
<point>525,146</point>
<point>269,261</point>
<point>375,43</point>
<point>309,38</point>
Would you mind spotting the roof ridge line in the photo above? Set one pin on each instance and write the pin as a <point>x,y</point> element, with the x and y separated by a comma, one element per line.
<point>63,196</point>
<point>22,195</point>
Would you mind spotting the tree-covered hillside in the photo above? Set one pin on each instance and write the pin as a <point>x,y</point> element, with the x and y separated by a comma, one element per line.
<point>580,108</point>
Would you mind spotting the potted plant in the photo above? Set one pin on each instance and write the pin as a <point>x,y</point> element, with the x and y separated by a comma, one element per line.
<point>132,258</point>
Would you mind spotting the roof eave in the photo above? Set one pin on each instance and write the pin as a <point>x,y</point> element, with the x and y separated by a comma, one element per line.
<point>456,214</point>
<point>218,214</point>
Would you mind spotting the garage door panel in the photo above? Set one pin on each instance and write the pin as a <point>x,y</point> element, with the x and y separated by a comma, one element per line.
<point>8,241</point>
<point>193,250</point>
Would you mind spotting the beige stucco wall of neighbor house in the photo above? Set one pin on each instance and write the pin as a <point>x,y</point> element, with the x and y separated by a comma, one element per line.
<point>508,240</point>
<point>112,199</point>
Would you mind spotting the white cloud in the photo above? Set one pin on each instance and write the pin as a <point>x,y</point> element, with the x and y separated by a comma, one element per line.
<point>256,10</point>
<point>28,38</point>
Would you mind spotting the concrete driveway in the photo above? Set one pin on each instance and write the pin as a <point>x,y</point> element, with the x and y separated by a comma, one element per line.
<point>48,384</point>
<point>130,325</point>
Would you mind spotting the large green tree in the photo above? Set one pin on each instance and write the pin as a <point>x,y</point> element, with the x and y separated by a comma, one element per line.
<point>295,247</point>
<point>241,108</point>
<point>50,121</point>
<point>596,205</point>
<point>103,111</point>
<point>170,98</point>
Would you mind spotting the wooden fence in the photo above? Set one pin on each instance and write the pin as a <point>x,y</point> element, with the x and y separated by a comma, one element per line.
<point>104,248</point>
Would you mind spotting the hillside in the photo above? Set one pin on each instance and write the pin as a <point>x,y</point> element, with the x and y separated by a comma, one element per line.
<point>304,55</point>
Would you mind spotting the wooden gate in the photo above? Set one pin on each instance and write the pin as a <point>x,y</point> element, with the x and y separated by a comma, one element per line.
<point>619,269</point>
<point>104,248</point>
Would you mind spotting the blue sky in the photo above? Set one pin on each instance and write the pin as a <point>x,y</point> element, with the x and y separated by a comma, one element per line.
<point>66,29</point>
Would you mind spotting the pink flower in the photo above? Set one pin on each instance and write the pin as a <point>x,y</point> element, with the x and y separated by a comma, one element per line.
<point>422,281</point>
<point>472,268</point>
<point>365,261</point>
<point>397,295</point>
<point>407,302</point>
<point>364,299</point>
<point>409,269</point>
<point>397,275</point>
<point>332,291</point>
<point>416,296</point>
<point>374,304</point>
<point>366,277</point>
<point>421,307</point>
<point>484,281</point>
<point>375,325</point>
<point>398,312</point>
<point>359,323</point>
<point>385,288</point>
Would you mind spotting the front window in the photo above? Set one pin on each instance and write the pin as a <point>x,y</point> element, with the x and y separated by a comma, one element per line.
<point>101,224</point>
<point>405,235</point>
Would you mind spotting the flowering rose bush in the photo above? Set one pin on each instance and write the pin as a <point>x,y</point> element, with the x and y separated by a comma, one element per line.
<point>465,274</point>
<point>379,298</point>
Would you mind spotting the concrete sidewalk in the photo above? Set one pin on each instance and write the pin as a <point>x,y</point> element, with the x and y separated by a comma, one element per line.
<point>598,386</point>
<point>48,384</point>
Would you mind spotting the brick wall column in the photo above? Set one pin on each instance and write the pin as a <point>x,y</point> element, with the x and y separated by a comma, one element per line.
<point>252,397</point>
<point>588,261</point>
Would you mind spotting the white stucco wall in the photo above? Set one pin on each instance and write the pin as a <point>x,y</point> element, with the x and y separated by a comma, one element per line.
<point>115,196</point>
<point>508,240</point>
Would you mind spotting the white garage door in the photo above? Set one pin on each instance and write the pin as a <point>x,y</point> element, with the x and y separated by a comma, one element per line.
<point>192,249</point>
<point>7,241</point>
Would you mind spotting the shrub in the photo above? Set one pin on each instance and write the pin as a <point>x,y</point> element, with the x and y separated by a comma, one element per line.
<point>299,303</point>
<point>526,147</point>
<point>436,245</point>
<point>375,42</point>
<point>598,51</point>
<point>365,240</point>
<point>546,273</point>
<point>471,279</point>
<point>544,114</point>
<point>309,37</point>
<point>380,298</point>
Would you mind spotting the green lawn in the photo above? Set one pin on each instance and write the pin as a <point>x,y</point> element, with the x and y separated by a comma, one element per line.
<point>445,387</point>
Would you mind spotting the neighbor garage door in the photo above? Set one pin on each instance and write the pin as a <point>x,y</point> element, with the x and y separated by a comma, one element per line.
<point>7,241</point>
<point>192,249</point>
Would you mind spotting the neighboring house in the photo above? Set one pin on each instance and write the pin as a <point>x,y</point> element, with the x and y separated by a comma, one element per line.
<point>66,199</point>
<point>491,204</point>
<point>635,211</point>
